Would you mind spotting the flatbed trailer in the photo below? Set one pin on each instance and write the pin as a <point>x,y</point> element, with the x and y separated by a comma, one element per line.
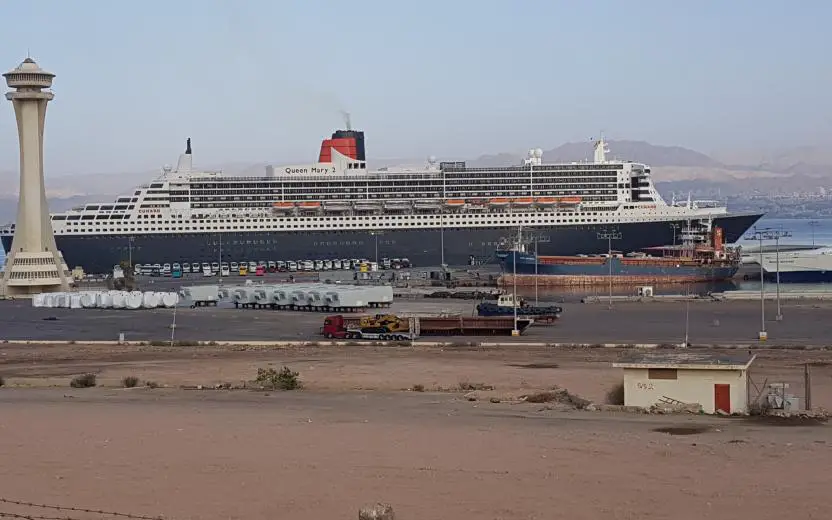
<point>348,327</point>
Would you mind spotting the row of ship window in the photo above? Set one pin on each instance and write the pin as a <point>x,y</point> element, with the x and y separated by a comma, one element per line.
<point>363,186</point>
<point>452,225</point>
<point>420,181</point>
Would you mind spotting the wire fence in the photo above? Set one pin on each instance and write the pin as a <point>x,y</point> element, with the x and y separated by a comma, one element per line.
<point>68,509</point>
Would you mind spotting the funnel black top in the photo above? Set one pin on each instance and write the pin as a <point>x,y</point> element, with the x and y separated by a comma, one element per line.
<point>359,141</point>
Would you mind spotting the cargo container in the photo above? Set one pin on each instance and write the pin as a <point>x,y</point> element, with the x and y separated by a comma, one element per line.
<point>200,295</point>
<point>244,297</point>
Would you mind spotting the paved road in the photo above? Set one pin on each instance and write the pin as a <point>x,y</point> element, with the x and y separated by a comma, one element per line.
<point>710,323</point>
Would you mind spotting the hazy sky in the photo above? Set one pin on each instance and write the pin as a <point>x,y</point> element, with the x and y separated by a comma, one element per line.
<point>265,80</point>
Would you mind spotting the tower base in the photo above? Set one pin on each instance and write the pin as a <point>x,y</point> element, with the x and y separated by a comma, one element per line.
<point>28,274</point>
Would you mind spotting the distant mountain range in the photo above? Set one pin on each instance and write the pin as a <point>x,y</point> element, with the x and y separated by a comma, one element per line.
<point>675,169</point>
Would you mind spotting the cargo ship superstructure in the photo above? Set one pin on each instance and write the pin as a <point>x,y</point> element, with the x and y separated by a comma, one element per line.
<point>701,257</point>
<point>444,212</point>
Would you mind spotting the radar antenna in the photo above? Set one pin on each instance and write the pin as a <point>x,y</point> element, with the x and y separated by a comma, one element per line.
<point>188,146</point>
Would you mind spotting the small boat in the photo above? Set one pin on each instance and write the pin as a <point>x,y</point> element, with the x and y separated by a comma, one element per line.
<point>283,206</point>
<point>337,206</point>
<point>366,205</point>
<point>545,201</point>
<point>522,201</point>
<point>498,201</point>
<point>309,205</point>
<point>569,201</point>
<point>506,305</point>
<point>397,205</point>
<point>455,203</point>
<point>427,204</point>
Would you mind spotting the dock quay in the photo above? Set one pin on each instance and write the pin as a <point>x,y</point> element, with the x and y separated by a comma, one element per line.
<point>714,297</point>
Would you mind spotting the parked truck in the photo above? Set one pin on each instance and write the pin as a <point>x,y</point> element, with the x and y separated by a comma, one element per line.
<point>396,328</point>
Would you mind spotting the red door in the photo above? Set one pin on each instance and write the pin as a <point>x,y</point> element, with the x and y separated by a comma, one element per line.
<point>722,398</point>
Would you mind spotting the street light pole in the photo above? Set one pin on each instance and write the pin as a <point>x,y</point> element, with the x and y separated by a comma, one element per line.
<point>812,225</point>
<point>515,331</point>
<point>442,239</point>
<point>761,234</point>
<point>375,235</point>
<point>609,236</point>
<point>536,260</point>
<point>220,279</point>
<point>777,235</point>
<point>687,315</point>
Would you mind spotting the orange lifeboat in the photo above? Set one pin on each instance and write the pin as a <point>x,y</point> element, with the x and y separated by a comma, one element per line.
<point>569,200</point>
<point>522,201</point>
<point>455,203</point>
<point>284,205</point>
<point>309,205</point>
<point>545,201</point>
<point>498,201</point>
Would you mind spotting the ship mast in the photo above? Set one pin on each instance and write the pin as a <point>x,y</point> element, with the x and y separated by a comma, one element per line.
<point>601,150</point>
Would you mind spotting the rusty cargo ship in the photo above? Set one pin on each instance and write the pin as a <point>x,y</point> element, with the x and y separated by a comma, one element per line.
<point>701,258</point>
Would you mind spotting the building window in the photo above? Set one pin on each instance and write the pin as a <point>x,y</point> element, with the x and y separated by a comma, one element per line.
<point>661,373</point>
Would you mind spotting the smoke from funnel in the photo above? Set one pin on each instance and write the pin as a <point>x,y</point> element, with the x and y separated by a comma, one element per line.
<point>346,116</point>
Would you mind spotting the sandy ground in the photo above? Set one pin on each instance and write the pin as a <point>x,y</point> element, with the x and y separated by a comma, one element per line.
<point>354,436</point>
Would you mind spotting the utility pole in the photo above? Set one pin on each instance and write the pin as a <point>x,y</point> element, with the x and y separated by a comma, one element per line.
<point>130,252</point>
<point>220,234</point>
<point>609,236</point>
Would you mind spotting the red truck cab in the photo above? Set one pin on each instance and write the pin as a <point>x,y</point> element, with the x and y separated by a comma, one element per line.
<point>334,327</point>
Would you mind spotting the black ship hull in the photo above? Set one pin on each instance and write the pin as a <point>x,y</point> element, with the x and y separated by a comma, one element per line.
<point>423,247</point>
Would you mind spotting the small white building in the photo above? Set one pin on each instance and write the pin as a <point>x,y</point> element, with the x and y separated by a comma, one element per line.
<point>715,382</point>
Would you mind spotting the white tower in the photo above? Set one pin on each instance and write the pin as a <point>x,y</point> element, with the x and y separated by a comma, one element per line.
<point>34,264</point>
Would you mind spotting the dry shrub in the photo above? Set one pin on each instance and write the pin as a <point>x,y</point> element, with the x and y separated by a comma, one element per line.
<point>83,381</point>
<point>615,395</point>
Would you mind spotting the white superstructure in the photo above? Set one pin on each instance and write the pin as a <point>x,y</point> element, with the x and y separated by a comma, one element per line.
<point>342,194</point>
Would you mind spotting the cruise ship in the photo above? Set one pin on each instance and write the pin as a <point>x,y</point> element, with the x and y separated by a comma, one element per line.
<point>441,213</point>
